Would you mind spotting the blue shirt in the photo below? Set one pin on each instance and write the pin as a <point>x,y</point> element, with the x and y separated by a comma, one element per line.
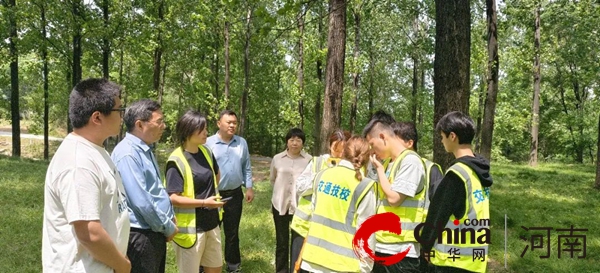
<point>149,203</point>
<point>234,161</point>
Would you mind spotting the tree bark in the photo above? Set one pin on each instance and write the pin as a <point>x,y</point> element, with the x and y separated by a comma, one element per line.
<point>14,79</point>
<point>317,106</point>
<point>105,41</point>
<point>489,111</point>
<point>227,75</point>
<point>597,184</point>
<point>334,83</point>
<point>356,73</point>
<point>158,52</point>
<point>480,109</point>
<point>533,154</point>
<point>300,19</point>
<point>451,65</point>
<point>371,83</point>
<point>416,67</point>
<point>77,7</point>
<point>244,106</point>
<point>45,77</point>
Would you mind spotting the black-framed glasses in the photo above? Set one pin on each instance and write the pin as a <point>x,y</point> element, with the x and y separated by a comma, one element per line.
<point>120,109</point>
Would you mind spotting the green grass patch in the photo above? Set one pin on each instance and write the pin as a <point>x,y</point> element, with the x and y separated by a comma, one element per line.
<point>553,195</point>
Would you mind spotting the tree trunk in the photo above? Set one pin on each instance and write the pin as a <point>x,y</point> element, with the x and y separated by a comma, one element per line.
<point>301,14</point>
<point>226,91</point>
<point>480,109</point>
<point>318,113</point>
<point>597,184</point>
<point>533,154</point>
<point>105,41</point>
<point>244,107</point>
<point>451,65</point>
<point>356,74</point>
<point>121,95</point>
<point>77,51</point>
<point>45,77</point>
<point>371,83</point>
<point>14,79</point>
<point>416,66</point>
<point>334,82</point>
<point>489,111</point>
<point>158,52</point>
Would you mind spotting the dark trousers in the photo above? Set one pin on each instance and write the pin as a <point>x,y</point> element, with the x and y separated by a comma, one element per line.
<point>447,269</point>
<point>407,265</point>
<point>147,251</point>
<point>282,235</point>
<point>297,242</point>
<point>232,214</point>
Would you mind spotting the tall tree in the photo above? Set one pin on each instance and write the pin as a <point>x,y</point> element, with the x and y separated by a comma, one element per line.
<point>227,64</point>
<point>105,40</point>
<point>318,102</point>
<point>489,111</point>
<point>10,5</point>
<point>535,119</point>
<point>597,184</point>
<point>300,20</point>
<point>356,68</point>
<point>416,66</point>
<point>334,83</point>
<point>452,65</point>
<point>158,51</point>
<point>244,107</point>
<point>44,51</point>
<point>77,13</point>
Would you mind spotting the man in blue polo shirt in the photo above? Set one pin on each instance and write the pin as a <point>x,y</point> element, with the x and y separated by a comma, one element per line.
<point>233,158</point>
<point>150,211</point>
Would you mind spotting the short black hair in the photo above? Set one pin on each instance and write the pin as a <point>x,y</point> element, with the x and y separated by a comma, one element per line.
<point>406,130</point>
<point>227,112</point>
<point>377,125</point>
<point>295,132</point>
<point>382,117</point>
<point>187,125</point>
<point>139,110</point>
<point>89,96</point>
<point>459,123</point>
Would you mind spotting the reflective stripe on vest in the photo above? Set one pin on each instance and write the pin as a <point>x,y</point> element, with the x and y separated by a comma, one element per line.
<point>186,217</point>
<point>300,221</point>
<point>412,211</point>
<point>333,223</point>
<point>444,251</point>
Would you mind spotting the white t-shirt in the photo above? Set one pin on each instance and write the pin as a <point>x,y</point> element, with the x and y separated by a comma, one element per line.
<point>409,180</point>
<point>82,183</point>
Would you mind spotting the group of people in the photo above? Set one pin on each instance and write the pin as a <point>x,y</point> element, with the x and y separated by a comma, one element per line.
<point>117,212</point>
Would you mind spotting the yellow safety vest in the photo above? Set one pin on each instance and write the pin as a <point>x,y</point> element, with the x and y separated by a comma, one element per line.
<point>477,206</point>
<point>186,217</point>
<point>333,223</point>
<point>412,211</point>
<point>301,218</point>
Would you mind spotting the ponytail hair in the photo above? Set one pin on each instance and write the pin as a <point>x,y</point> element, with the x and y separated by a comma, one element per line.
<point>357,151</point>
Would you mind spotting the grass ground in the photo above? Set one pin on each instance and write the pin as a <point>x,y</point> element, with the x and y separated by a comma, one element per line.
<point>553,195</point>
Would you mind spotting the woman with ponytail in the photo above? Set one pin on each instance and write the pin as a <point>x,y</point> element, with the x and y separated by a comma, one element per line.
<point>343,199</point>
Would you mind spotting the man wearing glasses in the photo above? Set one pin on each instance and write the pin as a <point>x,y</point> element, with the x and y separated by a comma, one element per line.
<point>86,224</point>
<point>150,211</point>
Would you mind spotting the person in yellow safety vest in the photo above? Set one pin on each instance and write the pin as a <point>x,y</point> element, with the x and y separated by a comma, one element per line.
<point>343,199</point>
<point>304,184</point>
<point>462,196</point>
<point>403,191</point>
<point>191,181</point>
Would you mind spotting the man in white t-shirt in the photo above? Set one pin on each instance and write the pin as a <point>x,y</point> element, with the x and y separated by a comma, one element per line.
<point>86,223</point>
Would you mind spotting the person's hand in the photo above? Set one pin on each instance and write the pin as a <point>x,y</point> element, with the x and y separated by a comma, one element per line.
<point>213,203</point>
<point>375,162</point>
<point>125,267</point>
<point>249,195</point>
<point>170,238</point>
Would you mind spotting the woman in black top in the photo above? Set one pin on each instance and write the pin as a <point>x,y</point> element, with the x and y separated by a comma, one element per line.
<point>191,134</point>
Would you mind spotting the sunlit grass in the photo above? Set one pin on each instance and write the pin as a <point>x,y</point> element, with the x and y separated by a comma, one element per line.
<point>553,195</point>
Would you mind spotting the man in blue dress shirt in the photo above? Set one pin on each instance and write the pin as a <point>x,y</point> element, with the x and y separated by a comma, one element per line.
<point>151,215</point>
<point>233,158</point>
